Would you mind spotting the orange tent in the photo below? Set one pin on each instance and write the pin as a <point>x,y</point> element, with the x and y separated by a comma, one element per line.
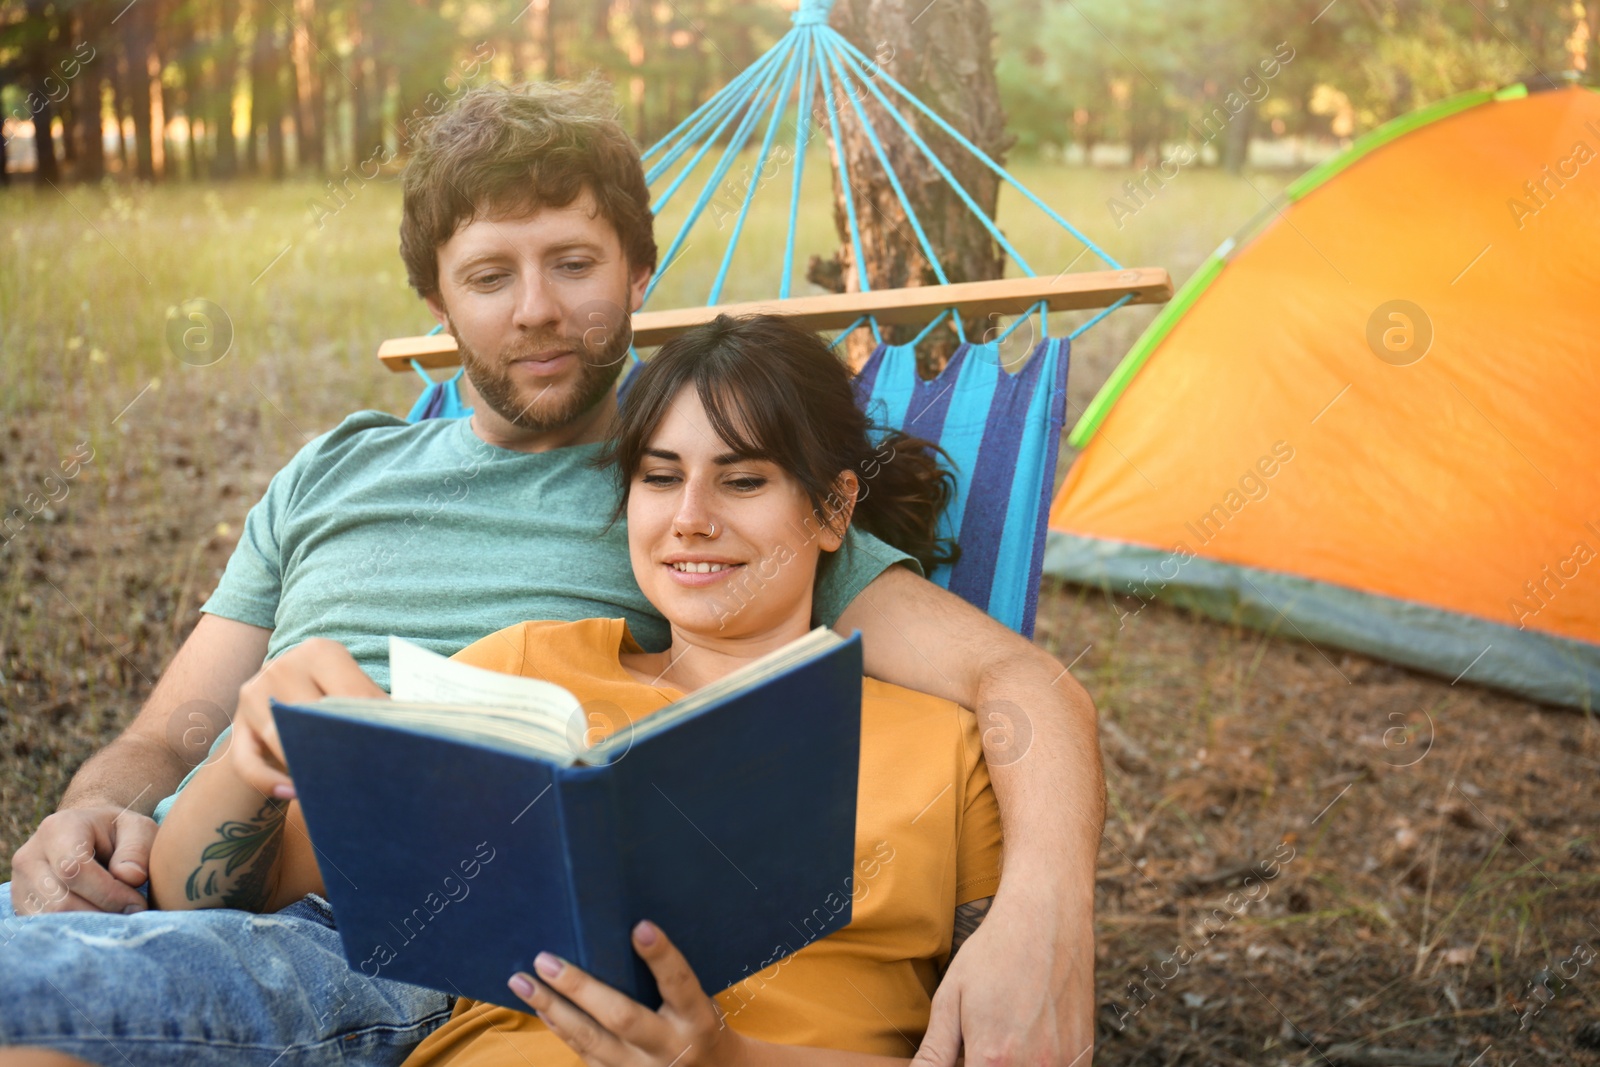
<point>1371,419</point>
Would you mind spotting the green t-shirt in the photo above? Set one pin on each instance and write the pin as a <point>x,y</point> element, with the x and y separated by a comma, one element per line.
<point>424,530</point>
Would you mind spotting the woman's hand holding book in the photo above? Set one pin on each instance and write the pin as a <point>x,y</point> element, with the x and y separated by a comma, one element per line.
<point>610,1029</point>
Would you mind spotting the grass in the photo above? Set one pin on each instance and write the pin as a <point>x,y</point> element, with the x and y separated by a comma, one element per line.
<point>1423,902</point>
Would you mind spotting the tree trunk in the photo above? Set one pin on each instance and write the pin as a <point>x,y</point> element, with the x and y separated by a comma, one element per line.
<point>516,30</point>
<point>1146,120</point>
<point>170,163</point>
<point>90,135</point>
<point>1088,135</point>
<point>644,27</point>
<point>167,98</point>
<point>272,118</point>
<point>1591,12</point>
<point>46,167</point>
<point>942,56</point>
<point>1236,140</point>
<point>122,109</point>
<point>548,20</point>
<point>225,156</point>
<point>45,88</point>
<point>366,129</point>
<point>183,37</point>
<point>69,140</point>
<point>291,90</point>
<point>421,65</point>
<point>310,105</point>
<point>138,40</point>
<point>88,67</point>
<point>266,94</point>
<point>252,153</point>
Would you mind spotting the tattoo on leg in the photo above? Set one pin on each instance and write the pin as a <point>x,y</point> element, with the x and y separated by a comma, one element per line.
<point>253,845</point>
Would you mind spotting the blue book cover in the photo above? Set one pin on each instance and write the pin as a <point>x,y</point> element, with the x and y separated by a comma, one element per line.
<point>450,862</point>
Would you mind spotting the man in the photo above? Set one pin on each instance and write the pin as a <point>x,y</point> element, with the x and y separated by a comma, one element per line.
<point>526,229</point>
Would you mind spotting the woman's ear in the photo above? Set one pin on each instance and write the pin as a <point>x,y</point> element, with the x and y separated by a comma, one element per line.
<point>839,505</point>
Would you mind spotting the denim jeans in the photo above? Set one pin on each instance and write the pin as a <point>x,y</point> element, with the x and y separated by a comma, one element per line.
<point>202,987</point>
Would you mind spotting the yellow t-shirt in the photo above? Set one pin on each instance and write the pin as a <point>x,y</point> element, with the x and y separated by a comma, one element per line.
<point>927,841</point>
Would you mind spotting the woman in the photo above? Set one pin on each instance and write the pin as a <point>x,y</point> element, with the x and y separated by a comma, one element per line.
<point>741,457</point>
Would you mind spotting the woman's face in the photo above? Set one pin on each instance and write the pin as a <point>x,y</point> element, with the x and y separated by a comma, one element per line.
<point>723,545</point>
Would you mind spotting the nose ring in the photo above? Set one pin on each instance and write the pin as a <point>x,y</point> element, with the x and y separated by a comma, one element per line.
<point>713,530</point>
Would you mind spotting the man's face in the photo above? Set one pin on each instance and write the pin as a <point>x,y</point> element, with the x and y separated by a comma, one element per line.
<point>539,306</point>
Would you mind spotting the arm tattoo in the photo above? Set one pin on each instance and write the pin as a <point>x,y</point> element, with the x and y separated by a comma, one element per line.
<point>252,845</point>
<point>968,917</point>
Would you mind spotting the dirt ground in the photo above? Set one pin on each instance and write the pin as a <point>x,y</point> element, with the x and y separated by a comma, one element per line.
<point>1421,856</point>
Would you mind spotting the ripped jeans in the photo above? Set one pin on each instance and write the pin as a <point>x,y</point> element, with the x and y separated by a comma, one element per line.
<point>202,987</point>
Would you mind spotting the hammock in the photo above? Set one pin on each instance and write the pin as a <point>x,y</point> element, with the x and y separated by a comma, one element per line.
<point>1002,429</point>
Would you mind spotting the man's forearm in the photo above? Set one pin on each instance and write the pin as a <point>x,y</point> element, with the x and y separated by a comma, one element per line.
<point>132,772</point>
<point>1041,743</point>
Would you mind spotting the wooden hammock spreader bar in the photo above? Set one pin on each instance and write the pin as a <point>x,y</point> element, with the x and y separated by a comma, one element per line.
<point>834,311</point>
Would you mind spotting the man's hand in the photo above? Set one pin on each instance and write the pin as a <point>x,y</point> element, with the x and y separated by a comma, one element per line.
<point>1020,991</point>
<point>93,853</point>
<point>84,859</point>
<point>310,671</point>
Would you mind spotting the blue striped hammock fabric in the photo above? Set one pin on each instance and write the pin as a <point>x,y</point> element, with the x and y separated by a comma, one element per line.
<point>1002,431</point>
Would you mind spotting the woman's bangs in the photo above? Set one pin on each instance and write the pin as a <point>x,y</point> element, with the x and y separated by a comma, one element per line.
<point>747,426</point>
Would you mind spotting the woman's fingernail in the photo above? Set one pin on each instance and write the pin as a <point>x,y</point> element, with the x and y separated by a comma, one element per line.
<point>522,986</point>
<point>547,965</point>
<point>283,791</point>
<point>646,932</point>
<point>133,909</point>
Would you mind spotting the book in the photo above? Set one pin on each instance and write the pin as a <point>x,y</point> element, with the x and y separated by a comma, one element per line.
<point>469,823</point>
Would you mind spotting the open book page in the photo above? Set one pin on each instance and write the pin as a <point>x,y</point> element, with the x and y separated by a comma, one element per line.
<point>437,695</point>
<point>746,677</point>
<point>418,676</point>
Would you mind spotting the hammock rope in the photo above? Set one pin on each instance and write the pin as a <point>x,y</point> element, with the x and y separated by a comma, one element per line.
<point>813,62</point>
<point>1001,428</point>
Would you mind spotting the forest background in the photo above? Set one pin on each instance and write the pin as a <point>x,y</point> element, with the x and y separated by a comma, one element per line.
<point>210,89</point>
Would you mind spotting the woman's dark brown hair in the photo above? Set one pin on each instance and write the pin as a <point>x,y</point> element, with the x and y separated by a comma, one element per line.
<point>776,392</point>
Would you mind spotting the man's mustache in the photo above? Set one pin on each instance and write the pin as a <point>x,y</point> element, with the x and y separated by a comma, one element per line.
<point>527,349</point>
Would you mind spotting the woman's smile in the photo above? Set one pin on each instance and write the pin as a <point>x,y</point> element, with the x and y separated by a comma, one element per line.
<point>697,572</point>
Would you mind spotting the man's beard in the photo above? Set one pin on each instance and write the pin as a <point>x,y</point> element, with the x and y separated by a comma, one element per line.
<point>549,410</point>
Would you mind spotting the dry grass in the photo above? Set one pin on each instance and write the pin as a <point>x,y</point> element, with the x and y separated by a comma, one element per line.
<point>1443,841</point>
<point>1427,900</point>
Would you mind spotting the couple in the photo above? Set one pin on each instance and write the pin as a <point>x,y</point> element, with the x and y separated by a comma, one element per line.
<point>526,227</point>
<point>730,442</point>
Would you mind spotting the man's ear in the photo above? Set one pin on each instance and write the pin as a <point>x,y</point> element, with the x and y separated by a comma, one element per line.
<point>841,505</point>
<point>436,305</point>
<point>637,286</point>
